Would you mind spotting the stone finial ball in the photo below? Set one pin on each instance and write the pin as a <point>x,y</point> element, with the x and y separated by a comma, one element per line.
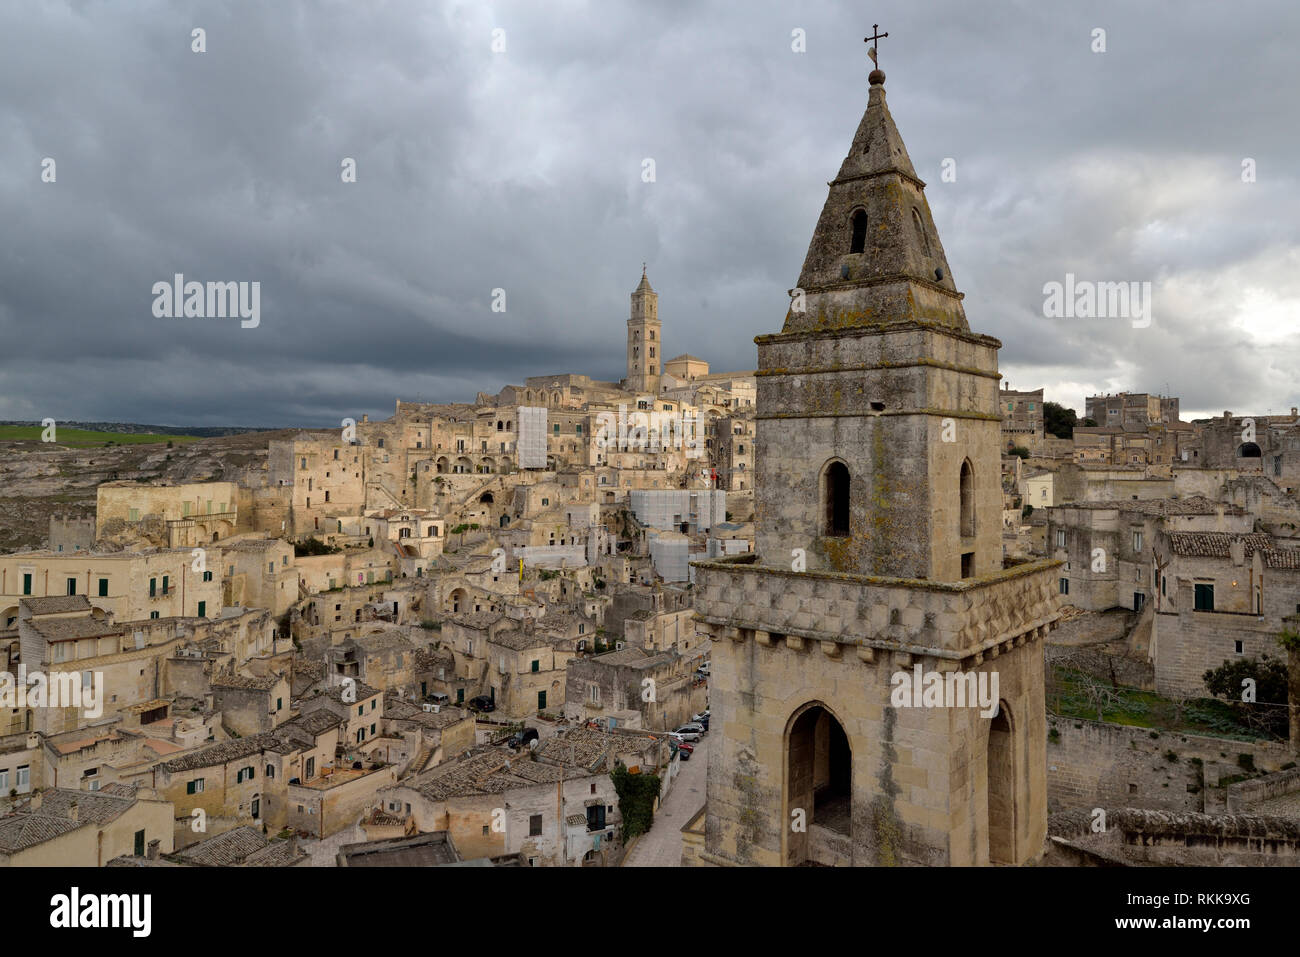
<point>876,77</point>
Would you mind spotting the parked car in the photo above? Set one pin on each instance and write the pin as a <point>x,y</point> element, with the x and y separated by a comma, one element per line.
<point>482,703</point>
<point>685,746</point>
<point>438,698</point>
<point>683,753</point>
<point>521,739</point>
<point>702,719</point>
<point>703,669</point>
<point>690,732</point>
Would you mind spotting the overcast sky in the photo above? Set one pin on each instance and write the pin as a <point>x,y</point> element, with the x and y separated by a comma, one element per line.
<point>522,170</point>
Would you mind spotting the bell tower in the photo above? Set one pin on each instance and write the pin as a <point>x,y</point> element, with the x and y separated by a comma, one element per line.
<point>878,434</point>
<point>878,561</point>
<point>644,345</point>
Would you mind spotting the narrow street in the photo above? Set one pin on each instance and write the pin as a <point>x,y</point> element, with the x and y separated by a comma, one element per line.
<point>662,846</point>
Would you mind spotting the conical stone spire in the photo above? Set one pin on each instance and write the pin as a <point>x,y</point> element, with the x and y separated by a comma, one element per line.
<point>875,256</point>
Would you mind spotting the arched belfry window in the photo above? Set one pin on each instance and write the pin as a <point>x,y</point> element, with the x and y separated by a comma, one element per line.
<point>967,488</point>
<point>859,242</point>
<point>920,230</point>
<point>837,499</point>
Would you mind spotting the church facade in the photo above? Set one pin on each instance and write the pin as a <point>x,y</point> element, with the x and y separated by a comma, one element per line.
<point>878,564</point>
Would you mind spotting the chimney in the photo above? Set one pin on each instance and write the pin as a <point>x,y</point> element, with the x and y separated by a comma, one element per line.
<point>154,847</point>
<point>1218,521</point>
<point>293,845</point>
<point>35,803</point>
<point>1238,551</point>
<point>73,812</point>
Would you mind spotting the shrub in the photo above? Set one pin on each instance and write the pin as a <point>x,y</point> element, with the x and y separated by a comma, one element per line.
<point>637,794</point>
<point>313,546</point>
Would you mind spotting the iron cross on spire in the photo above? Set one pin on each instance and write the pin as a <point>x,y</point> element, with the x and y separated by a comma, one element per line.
<point>874,40</point>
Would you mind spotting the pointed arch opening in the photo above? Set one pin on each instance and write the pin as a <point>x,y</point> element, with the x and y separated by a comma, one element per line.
<point>836,486</point>
<point>1001,788</point>
<point>921,234</point>
<point>859,241</point>
<point>966,492</point>
<point>818,782</point>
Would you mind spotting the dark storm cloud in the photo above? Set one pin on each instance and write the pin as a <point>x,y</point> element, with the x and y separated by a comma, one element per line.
<point>522,171</point>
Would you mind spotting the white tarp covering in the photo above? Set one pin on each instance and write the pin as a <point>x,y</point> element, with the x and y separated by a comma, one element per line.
<point>668,509</point>
<point>530,444</point>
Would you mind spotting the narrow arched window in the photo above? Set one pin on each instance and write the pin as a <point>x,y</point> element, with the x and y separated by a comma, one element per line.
<point>967,487</point>
<point>837,500</point>
<point>859,242</point>
<point>920,230</point>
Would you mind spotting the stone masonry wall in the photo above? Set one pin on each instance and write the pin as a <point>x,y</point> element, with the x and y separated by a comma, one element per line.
<point>1098,764</point>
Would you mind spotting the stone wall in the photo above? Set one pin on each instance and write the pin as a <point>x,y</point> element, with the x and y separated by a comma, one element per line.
<point>1140,837</point>
<point>1246,795</point>
<point>1096,764</point>
<point>1189,643</point>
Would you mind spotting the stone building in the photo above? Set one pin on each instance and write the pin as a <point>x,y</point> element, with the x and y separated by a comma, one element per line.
<point>70,828</point>
<point>878,531</point>
<point>1263,444</point>
<point>735,452</point>
<point>558,810</point>
<point>156,583</point>
<point>187,515</point>
<point>1137,408</point>
<point>250,705</point>
<point>1022,418</point>
<point>660,686</point>
<point>1106,547</point>
<point>1221,596</point>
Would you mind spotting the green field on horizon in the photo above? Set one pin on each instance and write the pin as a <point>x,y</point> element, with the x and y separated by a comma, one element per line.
<point>81,438</point>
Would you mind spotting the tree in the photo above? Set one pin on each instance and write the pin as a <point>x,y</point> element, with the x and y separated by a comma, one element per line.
<point>1019,450</point>
<point>1270,677</point>
<point>1289,639</point>
<point>1058,420</point>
